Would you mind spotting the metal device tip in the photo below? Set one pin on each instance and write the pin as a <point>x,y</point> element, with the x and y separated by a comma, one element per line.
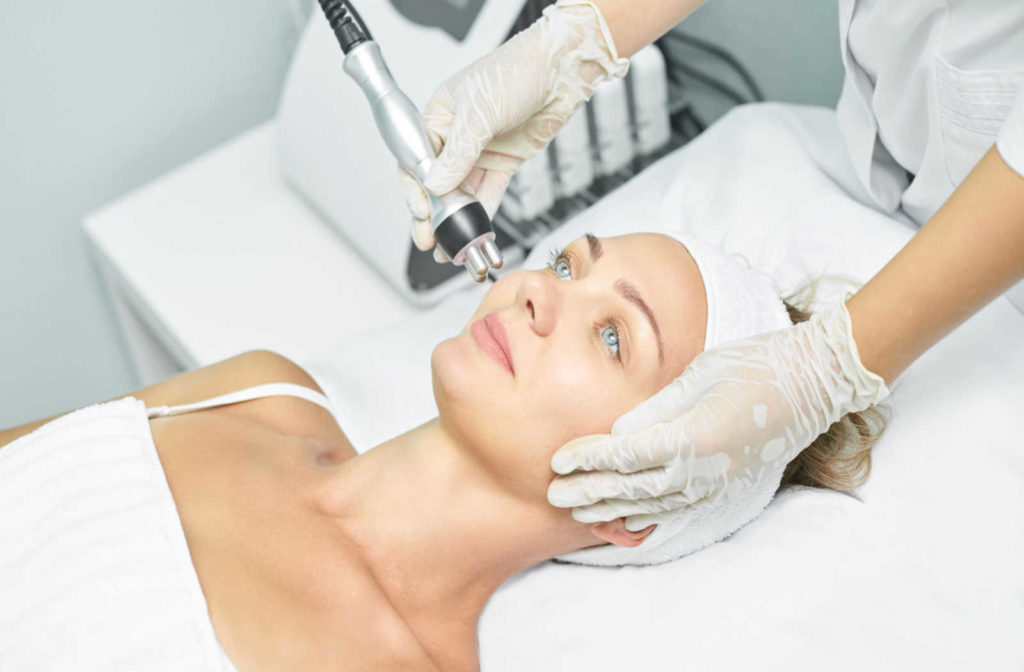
<point>492,254</point>
<point>475,261</point>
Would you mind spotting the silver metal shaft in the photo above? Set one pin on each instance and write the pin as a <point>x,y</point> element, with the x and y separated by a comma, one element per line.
<point>401,128</point>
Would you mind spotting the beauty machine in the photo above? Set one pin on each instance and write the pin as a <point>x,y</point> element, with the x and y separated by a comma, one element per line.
<point>459,222</point>
<point>331,153</point>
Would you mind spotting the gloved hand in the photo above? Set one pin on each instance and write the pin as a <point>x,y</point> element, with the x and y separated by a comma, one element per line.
<point>500,110</point>
<point>737,414</point>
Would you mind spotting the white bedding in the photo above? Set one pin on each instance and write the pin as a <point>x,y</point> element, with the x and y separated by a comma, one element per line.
<point>922,572</point>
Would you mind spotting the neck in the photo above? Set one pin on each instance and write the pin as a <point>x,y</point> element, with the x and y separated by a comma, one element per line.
<point>440,532</point>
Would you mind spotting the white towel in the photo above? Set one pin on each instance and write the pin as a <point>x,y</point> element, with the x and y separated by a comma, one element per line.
<point>741,302</point>
<point>95,571</point>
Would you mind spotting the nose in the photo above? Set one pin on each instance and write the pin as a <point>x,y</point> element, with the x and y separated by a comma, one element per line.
<point>539,298</point>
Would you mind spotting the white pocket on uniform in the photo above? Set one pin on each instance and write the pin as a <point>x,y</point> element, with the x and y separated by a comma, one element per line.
<point>972,106</point>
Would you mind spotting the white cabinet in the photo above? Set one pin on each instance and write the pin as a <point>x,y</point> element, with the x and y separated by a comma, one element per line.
<point>221,256</point>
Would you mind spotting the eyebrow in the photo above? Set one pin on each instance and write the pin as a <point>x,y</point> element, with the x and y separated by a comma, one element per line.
<point>630,293</point>
<point>595,247</point>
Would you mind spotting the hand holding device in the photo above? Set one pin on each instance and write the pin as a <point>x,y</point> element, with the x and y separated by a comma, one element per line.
<point>508,105</point>
<point>458,222</point>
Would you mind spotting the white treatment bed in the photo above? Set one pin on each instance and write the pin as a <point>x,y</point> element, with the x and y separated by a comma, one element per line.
<point>920,571</point>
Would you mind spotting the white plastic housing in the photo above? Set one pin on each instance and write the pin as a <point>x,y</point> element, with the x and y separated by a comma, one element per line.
<point>572,151</point>
<point>649,84</point>
<point>611,127</point>
<point>532,189</point>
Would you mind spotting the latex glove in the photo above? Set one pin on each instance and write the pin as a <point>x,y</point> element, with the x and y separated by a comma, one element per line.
<point>738,414</point>
<point>505,107</point>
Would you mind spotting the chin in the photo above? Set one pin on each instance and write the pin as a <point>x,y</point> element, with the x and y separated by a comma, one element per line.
<point>485,417</point>
<point>461,385</point>
<point>455,373</point>
<point>463,374</point>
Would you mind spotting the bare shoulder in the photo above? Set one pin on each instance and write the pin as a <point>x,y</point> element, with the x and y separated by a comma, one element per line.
<point>255,367</point>
<point>288,415</point>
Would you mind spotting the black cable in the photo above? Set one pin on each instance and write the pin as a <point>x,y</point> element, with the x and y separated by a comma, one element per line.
<point>359,19</point>
<point>688,124</point>
<point>722,54</point>
<point>697,122</point>
<point>346,23</point>
<point>708,81</point>
<point>679,127</point>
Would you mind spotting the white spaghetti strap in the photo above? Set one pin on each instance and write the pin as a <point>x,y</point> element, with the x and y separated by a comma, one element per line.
<point>248,394</point>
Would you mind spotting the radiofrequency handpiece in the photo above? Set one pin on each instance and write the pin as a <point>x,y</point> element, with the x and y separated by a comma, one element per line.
<point>460,223</point>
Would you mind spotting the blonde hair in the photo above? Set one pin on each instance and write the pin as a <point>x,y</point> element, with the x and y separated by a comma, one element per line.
<point>840,458</point>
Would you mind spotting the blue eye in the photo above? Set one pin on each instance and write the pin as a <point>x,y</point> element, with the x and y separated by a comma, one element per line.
<point>561,264</point>
<point>562,269</point>
<point>611,339</point>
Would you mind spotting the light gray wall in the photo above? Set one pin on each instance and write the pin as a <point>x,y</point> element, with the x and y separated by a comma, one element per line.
<point>791,47</point>
<point>97,98</point>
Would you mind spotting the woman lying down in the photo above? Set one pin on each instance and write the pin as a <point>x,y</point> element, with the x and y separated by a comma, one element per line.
<point>277,545</point>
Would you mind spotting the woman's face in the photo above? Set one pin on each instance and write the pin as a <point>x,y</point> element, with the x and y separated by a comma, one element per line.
<point>561,352</point>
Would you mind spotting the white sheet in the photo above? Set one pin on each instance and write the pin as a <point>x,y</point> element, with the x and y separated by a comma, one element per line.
<point>922,573</point>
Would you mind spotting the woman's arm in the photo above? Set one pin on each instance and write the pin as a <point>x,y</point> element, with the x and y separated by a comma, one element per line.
<point>634,24</point>
<point>971,251</point>
<point>255,367</point>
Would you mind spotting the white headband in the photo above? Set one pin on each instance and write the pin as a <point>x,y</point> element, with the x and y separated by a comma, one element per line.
<point>741,302</point>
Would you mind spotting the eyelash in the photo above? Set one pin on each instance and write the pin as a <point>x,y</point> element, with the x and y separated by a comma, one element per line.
<point>558,254</point>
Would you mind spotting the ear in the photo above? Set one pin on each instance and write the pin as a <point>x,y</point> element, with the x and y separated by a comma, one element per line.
<point>615,532</point>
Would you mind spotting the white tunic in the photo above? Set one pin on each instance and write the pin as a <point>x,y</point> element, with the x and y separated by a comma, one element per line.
<point>936,83</point>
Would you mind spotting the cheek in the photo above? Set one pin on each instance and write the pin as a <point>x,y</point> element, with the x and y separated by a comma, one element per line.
<point>566,404</point>
<point>576,396</point>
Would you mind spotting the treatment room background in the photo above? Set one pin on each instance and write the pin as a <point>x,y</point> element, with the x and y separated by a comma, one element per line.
<point>100,98</point>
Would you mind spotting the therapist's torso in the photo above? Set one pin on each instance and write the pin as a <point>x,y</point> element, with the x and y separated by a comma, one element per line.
<point>928,85</point>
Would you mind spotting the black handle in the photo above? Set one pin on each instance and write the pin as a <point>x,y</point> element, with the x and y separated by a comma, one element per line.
<point>346,23</point>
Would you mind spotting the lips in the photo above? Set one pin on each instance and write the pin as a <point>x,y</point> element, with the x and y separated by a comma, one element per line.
<point>492,338</point>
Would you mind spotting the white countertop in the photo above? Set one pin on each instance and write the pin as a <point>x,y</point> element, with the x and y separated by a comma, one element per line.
<point>221,256</point>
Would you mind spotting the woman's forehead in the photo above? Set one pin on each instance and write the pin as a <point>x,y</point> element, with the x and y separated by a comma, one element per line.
<point>667,278</point>
<point>661,258</point>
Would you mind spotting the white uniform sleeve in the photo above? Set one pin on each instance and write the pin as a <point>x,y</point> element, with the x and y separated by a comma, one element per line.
<point>1010,142</point>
